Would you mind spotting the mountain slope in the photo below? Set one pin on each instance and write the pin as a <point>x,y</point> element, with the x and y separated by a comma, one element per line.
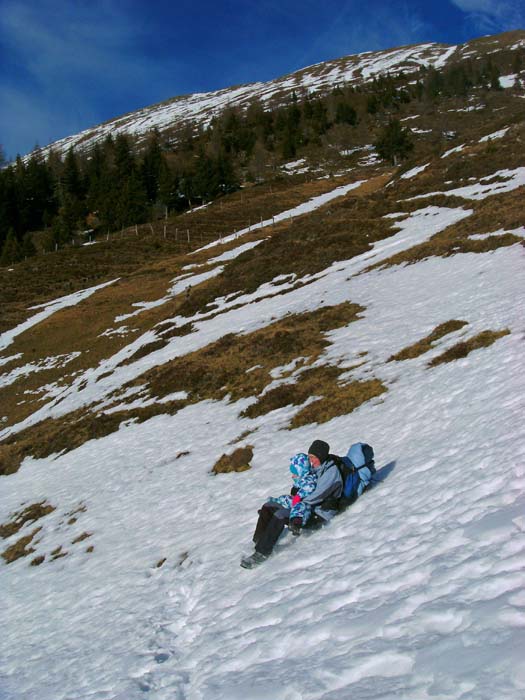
<point>198,109</point>
<point>383,305</point>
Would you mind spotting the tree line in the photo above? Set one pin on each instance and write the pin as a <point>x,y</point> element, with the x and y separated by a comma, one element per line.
<point>114,185</point>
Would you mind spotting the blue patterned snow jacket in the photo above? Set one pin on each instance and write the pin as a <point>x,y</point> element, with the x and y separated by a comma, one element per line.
<point>305,481</point>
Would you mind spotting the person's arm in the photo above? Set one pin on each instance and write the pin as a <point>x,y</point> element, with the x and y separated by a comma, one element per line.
<point>306,485</point>
<point>327,485</point>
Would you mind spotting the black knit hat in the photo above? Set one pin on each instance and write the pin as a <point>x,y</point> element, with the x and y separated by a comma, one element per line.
<point>320,449</point>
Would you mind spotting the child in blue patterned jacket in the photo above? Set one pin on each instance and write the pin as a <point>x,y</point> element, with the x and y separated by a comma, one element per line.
<point>305,481</point>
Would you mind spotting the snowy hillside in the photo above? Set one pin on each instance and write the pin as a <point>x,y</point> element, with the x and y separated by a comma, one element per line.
<point>199,109</point>
<point>351,300</point>
<point>414,592</point>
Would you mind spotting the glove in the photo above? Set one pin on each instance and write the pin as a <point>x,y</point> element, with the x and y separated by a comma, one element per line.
<point>296,499</point>
<point>295,526</point>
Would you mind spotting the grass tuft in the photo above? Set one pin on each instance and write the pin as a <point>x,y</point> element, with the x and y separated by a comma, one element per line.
<point>30,514</point>
<point>20,548</point>
<point>482,340</point>
<point>341,401</point>
<point>237,461</point>
<point>425,344</point>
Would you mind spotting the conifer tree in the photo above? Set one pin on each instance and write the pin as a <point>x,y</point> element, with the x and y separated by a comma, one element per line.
<point>394,142</point>
<point>151,166</point>
<point>11,250</point>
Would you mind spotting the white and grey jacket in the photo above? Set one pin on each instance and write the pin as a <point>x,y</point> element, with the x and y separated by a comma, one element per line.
<point>329,488</point>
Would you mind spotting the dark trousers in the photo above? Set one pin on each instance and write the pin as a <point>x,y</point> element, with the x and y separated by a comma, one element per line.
<point>271,522</point>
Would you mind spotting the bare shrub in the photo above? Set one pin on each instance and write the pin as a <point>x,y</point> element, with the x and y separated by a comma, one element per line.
<point>237,461</point>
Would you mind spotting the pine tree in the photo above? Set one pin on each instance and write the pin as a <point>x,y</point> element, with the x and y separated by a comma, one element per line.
<point>71,178</point>
<point>394,142</point>
<point>11,250</point>
<point>345,114</point>
<point>151,166</point>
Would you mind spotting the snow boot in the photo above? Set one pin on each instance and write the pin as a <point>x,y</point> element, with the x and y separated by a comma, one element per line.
<point>253,560</point>
<point>295,526</point>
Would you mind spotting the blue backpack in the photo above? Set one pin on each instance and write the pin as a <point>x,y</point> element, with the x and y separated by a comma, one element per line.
<point>357,470</point>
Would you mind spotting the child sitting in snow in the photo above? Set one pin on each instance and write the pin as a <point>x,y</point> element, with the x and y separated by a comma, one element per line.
<point>289,509</point>
<point>305,481</point>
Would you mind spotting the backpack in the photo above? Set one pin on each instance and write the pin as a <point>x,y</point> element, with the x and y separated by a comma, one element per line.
<point>357,470</point>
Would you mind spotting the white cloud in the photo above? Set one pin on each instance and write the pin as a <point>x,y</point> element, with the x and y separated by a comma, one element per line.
<point>65,63</point>
<point>494,15</point>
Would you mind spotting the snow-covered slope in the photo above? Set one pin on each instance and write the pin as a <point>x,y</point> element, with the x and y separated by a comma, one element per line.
<point>416,591</point>
<point>200,108</point>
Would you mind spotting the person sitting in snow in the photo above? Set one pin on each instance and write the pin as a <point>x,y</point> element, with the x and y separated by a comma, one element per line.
<point>273,516</point>
<point>305,481</point>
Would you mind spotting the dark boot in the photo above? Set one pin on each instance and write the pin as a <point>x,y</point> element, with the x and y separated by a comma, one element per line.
<point>253,560</point>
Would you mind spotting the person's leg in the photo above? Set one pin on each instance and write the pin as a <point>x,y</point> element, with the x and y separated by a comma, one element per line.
<point>272,531</point>
<point>265,515</point>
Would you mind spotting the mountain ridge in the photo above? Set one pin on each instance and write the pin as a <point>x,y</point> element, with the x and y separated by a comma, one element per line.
<point>199,108</point>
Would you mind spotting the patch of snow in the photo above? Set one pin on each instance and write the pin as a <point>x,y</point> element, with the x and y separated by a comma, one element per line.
<point>31,368</point>
<point>235,252</point>
<point>500,232</point>
<point>296,167</point>
<point>495,135</point>
<point>121,330</point>
<point>415,171</point>
<point>10,358</point>
<point>512,179</point>
<point>472,108</point>
<point>456,149</point>
<point>507,81</point>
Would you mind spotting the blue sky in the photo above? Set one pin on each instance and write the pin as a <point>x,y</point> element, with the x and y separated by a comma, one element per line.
<point>70,64</point>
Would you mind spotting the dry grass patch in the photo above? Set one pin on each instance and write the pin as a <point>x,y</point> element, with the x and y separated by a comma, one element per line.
<point>20,548</point>
<point>482,340</point>
<point>28,515</point>
<point>310,382</point>
<point>58,553</point>
<point>81,537</point>
<point>60,435</point>
<point>237,461</point>
<point>339,401</point>
<point>222,367</point>
<point>425,344</point>
<point>335,399</point>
